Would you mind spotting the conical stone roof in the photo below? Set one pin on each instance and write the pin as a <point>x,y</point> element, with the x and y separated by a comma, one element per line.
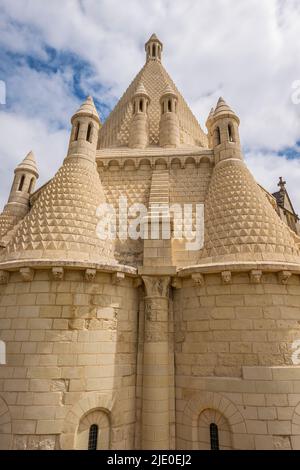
<point>62,223</point>
<point>88,108</point>
<point>155,79</point>
<point>28,164</point>
<point>240,223</point>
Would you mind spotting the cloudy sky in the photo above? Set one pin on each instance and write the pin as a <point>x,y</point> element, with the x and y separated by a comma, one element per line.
<point>53,54</point>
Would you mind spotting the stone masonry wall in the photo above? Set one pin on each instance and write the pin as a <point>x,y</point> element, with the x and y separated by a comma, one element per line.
<point>71,348</point>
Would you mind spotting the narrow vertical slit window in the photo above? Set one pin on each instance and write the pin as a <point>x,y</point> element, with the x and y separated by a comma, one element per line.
<point>230,133</point>
<point>21,184</point>
<point>76,134</point>
<point>93,437</point>
<point>30,185</point>
<point>214,437</point>
<point>89,134</point>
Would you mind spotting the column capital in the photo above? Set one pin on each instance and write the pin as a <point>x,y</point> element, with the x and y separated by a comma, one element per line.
<point>157,286</point>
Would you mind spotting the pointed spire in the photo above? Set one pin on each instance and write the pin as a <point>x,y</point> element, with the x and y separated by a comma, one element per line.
<point>281,184</point>
<point>29,164</point>
<point>141,90</point>
<point>168,90</point>
<point>222,108</point>
<point>88,108</point>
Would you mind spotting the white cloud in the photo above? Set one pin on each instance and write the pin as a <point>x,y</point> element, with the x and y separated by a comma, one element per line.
<point>246,51</point>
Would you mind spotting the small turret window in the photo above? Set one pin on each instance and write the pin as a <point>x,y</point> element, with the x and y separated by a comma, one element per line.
<point>169,106</point>
<point>31,185</point>
<point>89,134</point>
<point>76,133</point>
<point>141,106</point>
<point>21,184</point>
<point>217,136</point>
<point>214,437</point>
<point>93,437</point>
<point>230,133</point>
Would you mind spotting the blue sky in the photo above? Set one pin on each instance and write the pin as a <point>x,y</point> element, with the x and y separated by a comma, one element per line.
<point>54,54</point>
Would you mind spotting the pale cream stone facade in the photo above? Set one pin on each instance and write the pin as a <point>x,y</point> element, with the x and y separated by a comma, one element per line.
<point>147,342</point>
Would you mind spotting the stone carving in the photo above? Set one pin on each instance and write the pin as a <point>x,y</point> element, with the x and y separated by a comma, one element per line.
<point>176,283</point>
<point>58,274</point>
<point>255,276</point>
<point>226,277</point>
<point>90,275</point>
<point>284,276</point>
<point>117,277</point>
<point>27,274</point>
<point>157,286</point>
<point>198,279</point>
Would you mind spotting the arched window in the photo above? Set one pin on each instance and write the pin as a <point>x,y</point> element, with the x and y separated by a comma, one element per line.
<point>230,133</point>
<point>214,431</point>
<point>31,185</point>
<point>141,106</point>
<point>21,184</point>
<point>89,134</point>
<point>76,133</point>
<point>169,106</point>
<point>214,436</point>
<point>93,437</point>
<point>93,431</point>
<point>217,136</point>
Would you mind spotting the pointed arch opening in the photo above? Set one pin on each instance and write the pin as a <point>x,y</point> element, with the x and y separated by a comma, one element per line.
<point>89,134</point>
<point>21,183</point>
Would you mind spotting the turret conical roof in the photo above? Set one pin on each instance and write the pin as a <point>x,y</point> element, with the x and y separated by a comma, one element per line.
<point>88,108</point>
<point>28,164</point>
<point>240,222</point>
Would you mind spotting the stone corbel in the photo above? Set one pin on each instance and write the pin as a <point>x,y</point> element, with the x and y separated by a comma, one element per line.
<point>255,276</point>
<point>58,274</point>
<point>117,278</point>
<point>284,276</point>
<point>4,277</point>
<point>27,274</point>
<point>198,279</point>
<point>226,277</point>
<point>90,275</point>
<point>176,283</point>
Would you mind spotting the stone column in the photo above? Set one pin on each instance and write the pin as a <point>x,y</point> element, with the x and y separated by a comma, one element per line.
<point>155,404</point>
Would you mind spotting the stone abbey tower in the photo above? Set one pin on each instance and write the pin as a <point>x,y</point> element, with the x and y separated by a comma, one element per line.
<point>145,343</point>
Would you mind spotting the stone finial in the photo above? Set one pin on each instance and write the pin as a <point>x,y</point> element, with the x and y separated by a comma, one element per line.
<point>284,276</point>
<point>117,277</point>
<point>4,277</point>
<point>58,273</point>
<point>226,277</point>
<point>27,274</point>
<point>198,279</point>
<point>90,275</point>
<point>255,276</point>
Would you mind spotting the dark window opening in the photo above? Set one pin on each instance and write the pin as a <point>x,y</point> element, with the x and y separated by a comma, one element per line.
<point>89,134</point>
<point>141,106</point>
<point>93,437</point>
<point>153,50</point>
<point>169,106</point>
<point>77,131</point>
<point>214,437</point>
<point>21,184</point>
<point>230,133</point>
<point>218,136</point>
<point>31,185</point>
